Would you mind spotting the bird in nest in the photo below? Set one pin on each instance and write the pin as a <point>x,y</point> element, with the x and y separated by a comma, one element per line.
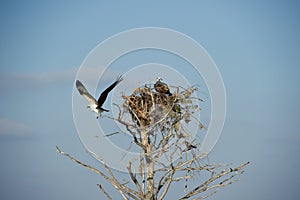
<point>162,87</point>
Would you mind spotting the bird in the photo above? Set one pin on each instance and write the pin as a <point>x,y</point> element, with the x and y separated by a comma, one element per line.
<point>96,106</point>
<point>162,87</point>
<point>189,146</point>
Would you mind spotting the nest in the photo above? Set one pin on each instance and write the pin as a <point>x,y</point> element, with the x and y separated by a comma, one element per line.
<point>148,107</point>
<point>163,116</point>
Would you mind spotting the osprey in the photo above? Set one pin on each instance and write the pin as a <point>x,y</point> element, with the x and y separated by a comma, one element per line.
<point>96,106</point>
<point>162,87</point>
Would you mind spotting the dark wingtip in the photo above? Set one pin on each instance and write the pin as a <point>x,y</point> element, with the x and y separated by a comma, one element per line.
<point>80,87</point>
<point>120,78</point>
<point>78,82</point>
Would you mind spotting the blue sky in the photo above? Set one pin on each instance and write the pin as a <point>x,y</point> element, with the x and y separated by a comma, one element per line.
<point>255,45</point>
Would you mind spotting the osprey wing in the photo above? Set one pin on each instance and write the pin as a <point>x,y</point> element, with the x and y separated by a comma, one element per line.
<point>83,91</point>
<point>104,94</point>
<point>161,87</point>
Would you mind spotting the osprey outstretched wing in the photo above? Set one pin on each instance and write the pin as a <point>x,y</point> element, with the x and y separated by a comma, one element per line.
<point>104,94</point>
<point>84,92</point>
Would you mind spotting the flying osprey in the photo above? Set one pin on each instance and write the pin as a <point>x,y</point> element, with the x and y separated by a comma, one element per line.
<point>162,87</point>
<point>94,105</point>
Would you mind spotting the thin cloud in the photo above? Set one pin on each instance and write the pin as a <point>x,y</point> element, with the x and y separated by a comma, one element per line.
<point>11,82</point>
<point>11,128</point>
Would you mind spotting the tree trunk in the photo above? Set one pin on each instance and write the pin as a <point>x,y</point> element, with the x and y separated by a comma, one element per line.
<point>149,165</point>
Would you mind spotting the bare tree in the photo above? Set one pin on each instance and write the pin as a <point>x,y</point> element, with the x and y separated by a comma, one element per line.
<point>158,125</point>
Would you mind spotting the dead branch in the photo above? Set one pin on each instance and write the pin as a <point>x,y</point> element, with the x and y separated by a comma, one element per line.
<point>112,180</point>
<point>216,176</point>
<point>104,192</point>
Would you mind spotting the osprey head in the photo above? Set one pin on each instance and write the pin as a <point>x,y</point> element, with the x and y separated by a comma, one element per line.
<point>159,79</point>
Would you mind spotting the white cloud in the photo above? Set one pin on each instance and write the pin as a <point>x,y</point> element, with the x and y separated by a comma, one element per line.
<point>13,128</point>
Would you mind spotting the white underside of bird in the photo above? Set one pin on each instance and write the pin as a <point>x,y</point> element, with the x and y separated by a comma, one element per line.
<point>93,107</point>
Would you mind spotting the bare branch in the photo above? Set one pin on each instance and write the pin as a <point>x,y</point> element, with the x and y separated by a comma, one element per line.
<point>112,180</point>
<point>169,181</point>
<point>133,178</point>
<point>104,192</point>
<point>83,164</point>
<point>121,187</point>
<point>226,181</point>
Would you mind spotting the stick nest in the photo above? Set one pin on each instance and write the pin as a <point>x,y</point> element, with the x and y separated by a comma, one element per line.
<point>148,107</point>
